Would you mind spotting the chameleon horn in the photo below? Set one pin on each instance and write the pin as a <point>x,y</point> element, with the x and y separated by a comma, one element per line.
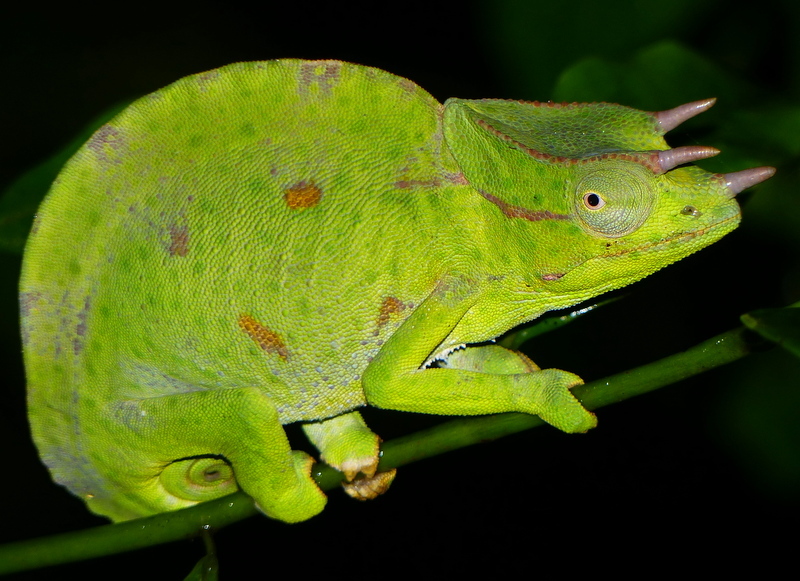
<point>741,180</point>
<point>671,118</point>
<point>671,158</point>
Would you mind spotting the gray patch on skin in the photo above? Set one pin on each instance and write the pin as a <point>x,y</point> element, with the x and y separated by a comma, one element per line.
<point>107,135</point>
<point>327,80</point>
<point>456,178</point>
<point>27,302</point>
<point>410,88</point>
<point>74,471</point>
<point>132,416</point>
<point>152,382</point>
<point>410,184</point>
<point>206,79</point>
<point>63,311</point>
<point>80,328</point>
<point>37,220</point>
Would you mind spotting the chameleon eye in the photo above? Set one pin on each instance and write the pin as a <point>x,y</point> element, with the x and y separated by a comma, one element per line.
<point>613,202</point>
<point>593,200</point>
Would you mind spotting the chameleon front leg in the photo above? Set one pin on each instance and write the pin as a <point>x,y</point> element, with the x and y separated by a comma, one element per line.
<point>395,380</point>
<point>489,359</point>
<point>180,441</point>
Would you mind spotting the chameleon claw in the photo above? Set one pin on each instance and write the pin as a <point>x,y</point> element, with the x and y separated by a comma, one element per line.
<point>739,181</point>
<point>671,118</point>
<point>671,158</point>
<point>372,487</point>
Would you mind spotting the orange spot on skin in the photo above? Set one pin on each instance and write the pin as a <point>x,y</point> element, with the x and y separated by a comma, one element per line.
<point>264,337</point>
<point>179,240</point>
<point>302,195</point>
<point>390,306</point>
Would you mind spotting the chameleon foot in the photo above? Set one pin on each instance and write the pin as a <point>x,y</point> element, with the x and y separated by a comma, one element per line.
<point>370,487</point>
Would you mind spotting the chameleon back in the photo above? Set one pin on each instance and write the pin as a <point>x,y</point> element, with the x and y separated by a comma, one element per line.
<point>224,232</point>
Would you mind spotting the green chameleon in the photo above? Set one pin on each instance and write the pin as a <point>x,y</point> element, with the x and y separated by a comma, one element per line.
<point>288,241</point>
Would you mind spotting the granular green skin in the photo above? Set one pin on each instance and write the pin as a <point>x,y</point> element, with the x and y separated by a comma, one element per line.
<point>288,241</point>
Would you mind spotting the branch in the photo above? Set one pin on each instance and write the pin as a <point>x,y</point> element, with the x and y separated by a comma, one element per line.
<point>451,435</point>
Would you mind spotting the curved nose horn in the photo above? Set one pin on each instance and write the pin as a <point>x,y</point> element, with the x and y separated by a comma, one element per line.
<point>739,181</point>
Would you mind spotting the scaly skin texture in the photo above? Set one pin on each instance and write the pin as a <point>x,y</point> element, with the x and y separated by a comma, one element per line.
<point>287,241</point>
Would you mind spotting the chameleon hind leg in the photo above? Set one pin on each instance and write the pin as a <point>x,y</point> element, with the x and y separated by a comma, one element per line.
<point>346,443</point>
<point>189,447</point>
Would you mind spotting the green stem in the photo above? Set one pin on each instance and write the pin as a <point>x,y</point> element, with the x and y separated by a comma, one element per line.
<point>214,515</point>
<point>455,434</point>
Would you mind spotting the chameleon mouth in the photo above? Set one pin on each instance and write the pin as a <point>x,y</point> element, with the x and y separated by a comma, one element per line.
<point>667,242</point>
<point>662,245</point>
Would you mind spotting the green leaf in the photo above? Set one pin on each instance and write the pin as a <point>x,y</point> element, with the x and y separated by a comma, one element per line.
<point>515,339</point>
<point>207,569</point>
<point>657,76</point>
<point>781,326</point>
<point>534,41</point>
<point>451,435</point>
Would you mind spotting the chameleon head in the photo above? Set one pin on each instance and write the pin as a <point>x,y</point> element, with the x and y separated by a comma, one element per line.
<point>598,177</point>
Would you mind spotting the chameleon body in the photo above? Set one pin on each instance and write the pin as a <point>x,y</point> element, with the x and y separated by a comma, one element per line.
<point>288,241</point>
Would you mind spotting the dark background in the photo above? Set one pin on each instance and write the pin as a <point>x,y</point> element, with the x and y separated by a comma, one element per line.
<point>706,471</point>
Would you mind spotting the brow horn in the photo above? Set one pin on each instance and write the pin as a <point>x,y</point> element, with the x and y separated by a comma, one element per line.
<point>671,158</point>
<point>671,118</point>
